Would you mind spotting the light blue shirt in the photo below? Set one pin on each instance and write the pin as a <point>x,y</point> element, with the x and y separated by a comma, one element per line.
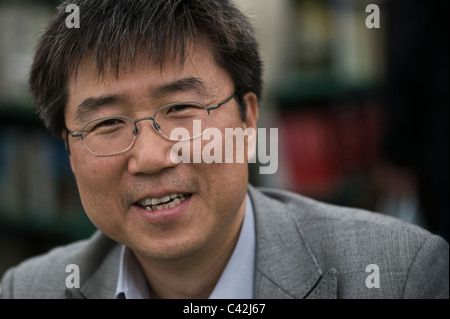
<point>236,281</point>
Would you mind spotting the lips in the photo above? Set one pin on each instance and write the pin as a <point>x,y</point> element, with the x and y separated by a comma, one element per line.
<point>162,203</point>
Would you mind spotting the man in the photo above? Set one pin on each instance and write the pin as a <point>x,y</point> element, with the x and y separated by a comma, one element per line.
<point>115,90</point>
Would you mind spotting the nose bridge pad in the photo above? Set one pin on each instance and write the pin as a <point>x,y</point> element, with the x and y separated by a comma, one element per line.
<point>156,126</point>
<point>135,130</point>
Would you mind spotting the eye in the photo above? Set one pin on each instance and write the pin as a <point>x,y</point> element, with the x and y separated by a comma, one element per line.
<point>103,126</point>
<point>179,108</point>
<point>108,123</point>
<point>179,113</point>
<point>184,110</point>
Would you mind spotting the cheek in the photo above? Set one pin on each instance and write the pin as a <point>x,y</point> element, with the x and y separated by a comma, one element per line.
<point>227,141</point>
<point>225,168</point>
<point>94,172</point>
<point>98,179</point>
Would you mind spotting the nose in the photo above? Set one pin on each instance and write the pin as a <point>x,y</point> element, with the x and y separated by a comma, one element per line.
<point>150,152</point>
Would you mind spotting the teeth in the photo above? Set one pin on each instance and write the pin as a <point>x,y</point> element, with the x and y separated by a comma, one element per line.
<point>171,204</point>
<point>165,199</point>
<point>164,202</point>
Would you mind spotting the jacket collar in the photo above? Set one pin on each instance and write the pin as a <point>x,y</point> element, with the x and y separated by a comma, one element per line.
<point>101,268</point>
<point>285,265</point>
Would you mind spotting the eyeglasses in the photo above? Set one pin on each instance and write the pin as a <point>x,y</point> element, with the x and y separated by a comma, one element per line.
<point>111,135</point>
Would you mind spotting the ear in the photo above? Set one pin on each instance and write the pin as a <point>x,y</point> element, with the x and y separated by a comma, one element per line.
<point>65,138</point>
<point>252,112</point>
<point>250,122</point>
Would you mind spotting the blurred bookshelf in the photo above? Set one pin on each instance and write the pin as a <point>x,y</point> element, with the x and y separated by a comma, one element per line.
<point>39,204</point>
<point>326,100</point>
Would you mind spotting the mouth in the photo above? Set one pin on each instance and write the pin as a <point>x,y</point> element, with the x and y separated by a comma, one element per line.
<point>162,203</point>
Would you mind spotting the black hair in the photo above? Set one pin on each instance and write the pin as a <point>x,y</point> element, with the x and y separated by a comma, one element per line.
<point>114,32</point>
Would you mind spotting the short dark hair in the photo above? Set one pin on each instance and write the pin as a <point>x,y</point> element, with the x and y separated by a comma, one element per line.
<point>113,32</point>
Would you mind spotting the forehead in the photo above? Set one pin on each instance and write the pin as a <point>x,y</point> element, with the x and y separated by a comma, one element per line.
<point>199,59</point>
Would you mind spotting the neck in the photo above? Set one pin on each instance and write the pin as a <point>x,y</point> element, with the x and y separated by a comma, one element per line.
<point>194,276</point>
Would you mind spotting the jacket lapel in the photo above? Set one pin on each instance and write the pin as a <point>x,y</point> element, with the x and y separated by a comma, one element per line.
<point>285,265</point>
<point>101,278</point>
<point>103,283</point>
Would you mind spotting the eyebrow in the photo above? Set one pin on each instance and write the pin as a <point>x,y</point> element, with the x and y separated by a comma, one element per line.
<point>185,85</point>
<point>91,104</point>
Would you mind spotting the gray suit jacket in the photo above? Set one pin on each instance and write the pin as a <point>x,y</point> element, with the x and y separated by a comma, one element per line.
<point>304,249</point>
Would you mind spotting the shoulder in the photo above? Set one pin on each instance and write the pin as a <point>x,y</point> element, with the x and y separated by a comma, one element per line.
<point>326,220</point>
<point>414,262</point>
<point>44,276</point>
<point>318,215</point>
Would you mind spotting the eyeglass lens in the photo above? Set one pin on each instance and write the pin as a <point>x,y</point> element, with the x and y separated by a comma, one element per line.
<point>177,121</point>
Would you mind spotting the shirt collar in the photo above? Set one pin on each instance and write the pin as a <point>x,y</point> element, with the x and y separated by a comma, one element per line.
<point>131,283</point>
<point>236,281</point>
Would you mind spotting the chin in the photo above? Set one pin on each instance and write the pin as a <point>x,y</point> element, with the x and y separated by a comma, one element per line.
<point>169,252</point>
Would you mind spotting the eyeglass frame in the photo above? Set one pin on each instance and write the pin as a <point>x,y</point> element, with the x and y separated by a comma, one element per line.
<point>155,125</point>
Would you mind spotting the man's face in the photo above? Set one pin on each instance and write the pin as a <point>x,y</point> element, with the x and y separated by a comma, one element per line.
<point>111,186</point>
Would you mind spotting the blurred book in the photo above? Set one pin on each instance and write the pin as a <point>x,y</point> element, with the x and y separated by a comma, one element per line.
<point>20,25</point>
<point>36,182</point>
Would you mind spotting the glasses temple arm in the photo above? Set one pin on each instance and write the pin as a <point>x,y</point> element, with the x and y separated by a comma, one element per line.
<point>220,104</point>
<point>74,134</point>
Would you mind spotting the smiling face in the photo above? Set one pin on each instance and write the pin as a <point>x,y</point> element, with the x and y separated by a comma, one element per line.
<point>208,214</point>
